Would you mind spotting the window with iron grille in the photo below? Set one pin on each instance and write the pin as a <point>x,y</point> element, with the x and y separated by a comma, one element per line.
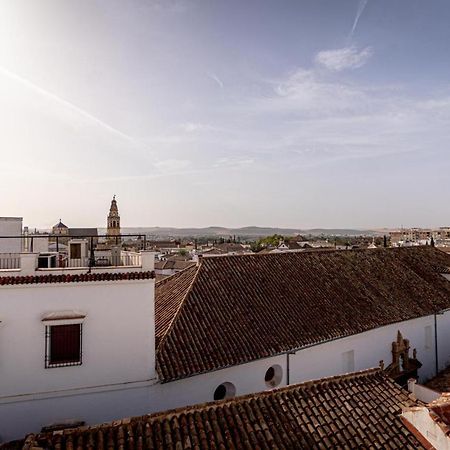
<point>63,345</point>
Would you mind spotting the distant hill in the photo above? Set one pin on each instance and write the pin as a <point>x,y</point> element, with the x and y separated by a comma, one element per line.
<point>244,232</point>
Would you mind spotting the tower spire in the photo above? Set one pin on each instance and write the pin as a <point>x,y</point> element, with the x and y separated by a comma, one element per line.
<point>113,223</point>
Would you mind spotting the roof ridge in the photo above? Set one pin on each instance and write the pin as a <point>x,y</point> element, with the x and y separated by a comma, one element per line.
<point>180,307</point>
<point>324,250</point>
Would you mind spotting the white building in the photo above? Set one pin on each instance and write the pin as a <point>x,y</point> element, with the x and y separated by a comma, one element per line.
<point>71,340</point>
<point>229,326</point>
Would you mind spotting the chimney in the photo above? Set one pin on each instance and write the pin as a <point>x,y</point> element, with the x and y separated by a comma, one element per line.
<point>147,260</point>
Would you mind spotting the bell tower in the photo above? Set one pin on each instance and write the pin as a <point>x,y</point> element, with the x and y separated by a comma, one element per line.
<point>113,223</point>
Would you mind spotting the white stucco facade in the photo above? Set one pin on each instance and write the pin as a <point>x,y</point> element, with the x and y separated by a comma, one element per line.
<point>118,352</point>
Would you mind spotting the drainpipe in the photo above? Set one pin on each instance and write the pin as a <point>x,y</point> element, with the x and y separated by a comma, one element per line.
<point>440,313</point>
<point>287,369</point>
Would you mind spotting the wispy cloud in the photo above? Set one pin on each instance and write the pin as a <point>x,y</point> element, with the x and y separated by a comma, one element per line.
<point>235,162</point>
<point>343,58</point>
<point>306,93</point>
<point>169,166</point>
<point>172,6</point>
<point>192,127</point>
<point>65,104</point>
<point>215,78</point>
<point>361,6</point>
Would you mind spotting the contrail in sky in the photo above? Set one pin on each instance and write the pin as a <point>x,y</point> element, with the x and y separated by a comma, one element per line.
<point>65,103</point>
<point>214,77</point>
<point>361,7</point>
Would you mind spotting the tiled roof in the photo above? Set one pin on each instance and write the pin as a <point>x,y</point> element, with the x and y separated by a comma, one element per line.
<point>76,278</point>
<point>440,411</point>
<point>242,308</point>
<point>169,300</point>
<point>359,410</point>
<point>60,225</point>
<point>173,264</point>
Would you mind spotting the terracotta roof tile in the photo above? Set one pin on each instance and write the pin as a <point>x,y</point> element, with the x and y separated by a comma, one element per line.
<point>441,382</point>
<point>440,411</point>
<point>350,411</point>
<point>174,264</point>
<point>242,308</point>
<point>170,293</point>
<point>76,278</point>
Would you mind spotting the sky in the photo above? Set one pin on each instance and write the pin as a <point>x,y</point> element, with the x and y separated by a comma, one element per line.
<point>195,113</point>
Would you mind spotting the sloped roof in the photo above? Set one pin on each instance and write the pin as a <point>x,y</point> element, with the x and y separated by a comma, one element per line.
<point>174,264</point>
<point>170,293</point>
<point>235,309</point>
<point>360,410</point>
<point>60,225</point>
<point>440,411</point>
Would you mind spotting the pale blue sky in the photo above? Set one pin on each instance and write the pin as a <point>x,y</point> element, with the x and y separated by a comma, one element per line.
<point>277,113</point>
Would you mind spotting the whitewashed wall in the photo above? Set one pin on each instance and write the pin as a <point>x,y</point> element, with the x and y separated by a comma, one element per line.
<point>443,326</point>
<point>118,349</point>
<point>20,417</point>
<point>369,349</point>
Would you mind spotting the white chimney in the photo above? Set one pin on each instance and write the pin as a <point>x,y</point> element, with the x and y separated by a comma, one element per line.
<point>147,260</point>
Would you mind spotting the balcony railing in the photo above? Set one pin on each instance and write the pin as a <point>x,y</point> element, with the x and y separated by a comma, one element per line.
<point>46,253</point>
<point>9,261</point>
<point>104,260</point>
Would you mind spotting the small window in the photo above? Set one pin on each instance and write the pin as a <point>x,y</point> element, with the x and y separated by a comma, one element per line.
<point>63,345</point>
<point>273,376</point>
<point>75,251</point>
<point>348,361</point>
<point>428,337</point>
<point>224,390</point>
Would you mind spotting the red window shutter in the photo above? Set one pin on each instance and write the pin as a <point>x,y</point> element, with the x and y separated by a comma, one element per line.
<point>65,344</point>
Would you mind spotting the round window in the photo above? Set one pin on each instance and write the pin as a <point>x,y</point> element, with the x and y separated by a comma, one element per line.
<point>273,376</point>
<point>224,390</point>
<point>270,374</point>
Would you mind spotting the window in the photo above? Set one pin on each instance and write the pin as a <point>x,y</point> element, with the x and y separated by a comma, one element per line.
<point>428,337</point>
<point>273,376</point>
<point>224,390</point>
<point>348,361</point>
<point>75,251</point>
<point>63,345</point>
